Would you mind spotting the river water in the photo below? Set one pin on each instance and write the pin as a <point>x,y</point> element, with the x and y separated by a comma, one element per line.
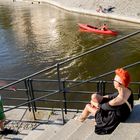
<point>34,36</point>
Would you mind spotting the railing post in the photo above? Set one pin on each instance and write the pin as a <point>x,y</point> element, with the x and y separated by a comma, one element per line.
<point>64,96</point>
<point>99,87</point>
<point>32,97</point>
<point>32,93</point>
<point>139,91</point>
<point>59,86</point>
<point>27,93</point>
<point>63,119</point>
<point>58,76</point>
<point>103,87</point>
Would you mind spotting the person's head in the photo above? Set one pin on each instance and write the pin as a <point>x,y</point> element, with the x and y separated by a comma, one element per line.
<point>122,77</point>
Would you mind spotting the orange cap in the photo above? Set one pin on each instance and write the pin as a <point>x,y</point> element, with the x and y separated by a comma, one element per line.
<point>124,75</point>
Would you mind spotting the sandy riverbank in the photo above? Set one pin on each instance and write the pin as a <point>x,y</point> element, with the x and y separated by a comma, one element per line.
<point>127,10</point>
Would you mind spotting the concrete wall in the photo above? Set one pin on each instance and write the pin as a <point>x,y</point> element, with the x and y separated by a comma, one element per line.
<point>127,10</point>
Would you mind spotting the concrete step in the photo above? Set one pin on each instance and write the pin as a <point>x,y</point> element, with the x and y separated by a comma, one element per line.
<point>130,129</point>
<point>34,133</point>
<point>69,128</point>
<point>53,125</point>
<point>75,130</point>
<point>126,131</point>
<point>137,137</point>
<point>24,131</point>
<point>81,133</point>
<point>94,136</point>
<point>49,131</point>
<point>123,131</point>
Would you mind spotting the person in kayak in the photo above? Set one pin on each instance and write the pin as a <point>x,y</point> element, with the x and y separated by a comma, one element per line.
<point>100,9</point>
<point>103,27</point>
<point>110,110</point>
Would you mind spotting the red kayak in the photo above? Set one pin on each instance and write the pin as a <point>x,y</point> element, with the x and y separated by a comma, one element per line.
<point>96,30</point>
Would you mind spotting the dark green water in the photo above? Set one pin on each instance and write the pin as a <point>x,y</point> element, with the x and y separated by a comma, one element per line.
<point>35,36</point>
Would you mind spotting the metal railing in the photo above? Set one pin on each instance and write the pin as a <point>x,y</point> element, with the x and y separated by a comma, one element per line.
<point>100,87</point>
<point>61,84</point>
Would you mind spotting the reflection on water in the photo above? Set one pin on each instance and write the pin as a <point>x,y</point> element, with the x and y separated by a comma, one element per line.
<point>34,36</point>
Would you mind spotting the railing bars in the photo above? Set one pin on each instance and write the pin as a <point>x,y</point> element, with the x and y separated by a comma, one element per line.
<point>32,100</point>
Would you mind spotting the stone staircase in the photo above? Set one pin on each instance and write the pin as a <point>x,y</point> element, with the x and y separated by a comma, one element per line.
<point>75,130</point>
